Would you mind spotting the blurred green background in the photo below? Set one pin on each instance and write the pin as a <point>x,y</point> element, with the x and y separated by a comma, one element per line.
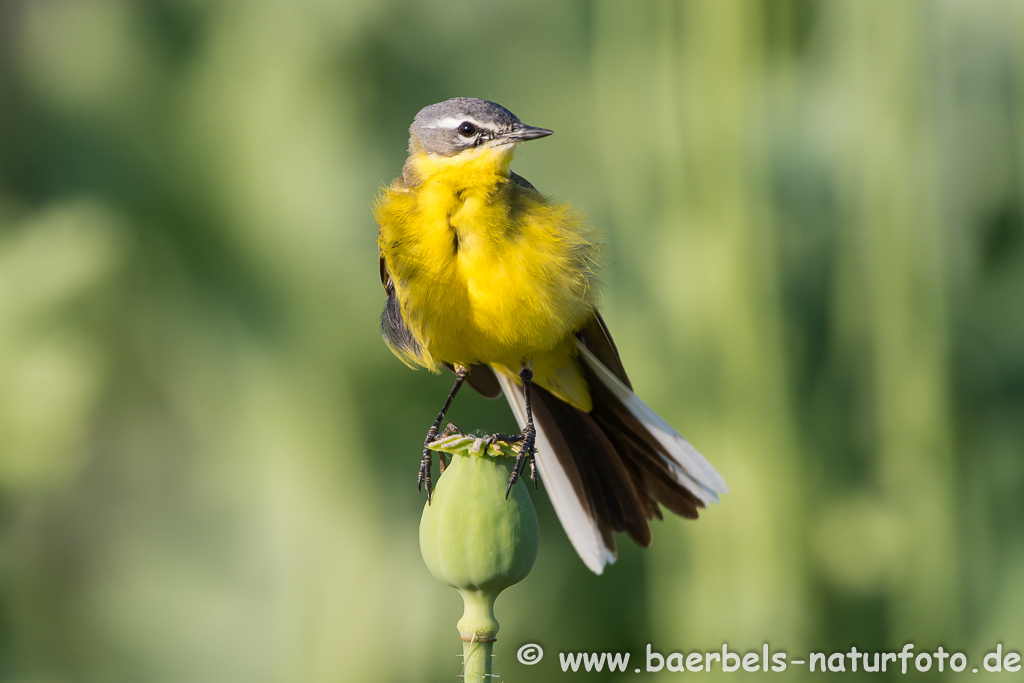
<point>208,456</point>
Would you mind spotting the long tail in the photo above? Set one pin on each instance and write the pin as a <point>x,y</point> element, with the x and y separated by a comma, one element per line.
<point>606,471</point>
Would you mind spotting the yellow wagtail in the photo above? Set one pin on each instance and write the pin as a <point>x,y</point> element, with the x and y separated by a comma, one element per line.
<point>490,278</point>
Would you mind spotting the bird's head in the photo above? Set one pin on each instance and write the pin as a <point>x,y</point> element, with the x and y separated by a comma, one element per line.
<point>466,124</point>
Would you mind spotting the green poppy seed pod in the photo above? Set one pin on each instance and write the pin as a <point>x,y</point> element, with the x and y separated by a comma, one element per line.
<point>475,540</point>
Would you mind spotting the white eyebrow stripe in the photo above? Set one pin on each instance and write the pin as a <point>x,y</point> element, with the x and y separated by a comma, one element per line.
<point>451,123</point>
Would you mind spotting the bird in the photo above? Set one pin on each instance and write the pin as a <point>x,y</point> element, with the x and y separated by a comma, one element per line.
<point>489,278</point>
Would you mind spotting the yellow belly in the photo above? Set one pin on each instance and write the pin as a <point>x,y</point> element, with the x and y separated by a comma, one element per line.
<point>485,271</point>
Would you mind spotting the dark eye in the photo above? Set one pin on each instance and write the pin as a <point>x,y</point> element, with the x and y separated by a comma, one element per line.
<point>467,129</point>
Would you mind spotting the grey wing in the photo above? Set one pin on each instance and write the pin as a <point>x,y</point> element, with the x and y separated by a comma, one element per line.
<point>392,326</point>
<point>522,182</point>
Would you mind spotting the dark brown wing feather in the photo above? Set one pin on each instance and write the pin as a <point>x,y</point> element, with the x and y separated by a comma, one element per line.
<point>617,468</point>
<point>587,452</point>
<point>596,337</point>
<point>644,454</point>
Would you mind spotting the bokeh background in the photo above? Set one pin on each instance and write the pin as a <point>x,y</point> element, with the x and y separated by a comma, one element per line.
<point>208,456</point>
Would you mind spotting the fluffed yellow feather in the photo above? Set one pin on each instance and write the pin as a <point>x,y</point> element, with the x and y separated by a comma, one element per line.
<point>487,270</point>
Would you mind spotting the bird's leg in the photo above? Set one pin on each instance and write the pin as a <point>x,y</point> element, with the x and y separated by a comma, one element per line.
<point>425,462</point>
<point>528,437</point>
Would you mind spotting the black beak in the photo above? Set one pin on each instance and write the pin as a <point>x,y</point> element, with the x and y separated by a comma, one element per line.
<point>521,132</point>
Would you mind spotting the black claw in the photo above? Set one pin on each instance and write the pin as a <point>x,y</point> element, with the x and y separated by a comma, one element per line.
<point>531,452</point>
<point>514,476</point>
<point>424,478</point>
<point>425,461</point>
<point>529,434</point>
<point>495,438</point>
<point>526,452</point>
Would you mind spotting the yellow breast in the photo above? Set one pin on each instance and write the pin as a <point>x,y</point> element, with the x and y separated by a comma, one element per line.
<point>485,270</point>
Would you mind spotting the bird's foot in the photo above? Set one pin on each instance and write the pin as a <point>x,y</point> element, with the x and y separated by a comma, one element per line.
<point>423,481</point>
<point>426,462</point>
<point>495,438</point>
<point>527,451</point>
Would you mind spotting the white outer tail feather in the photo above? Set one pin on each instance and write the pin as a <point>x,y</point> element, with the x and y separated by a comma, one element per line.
<point>689,468</point>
